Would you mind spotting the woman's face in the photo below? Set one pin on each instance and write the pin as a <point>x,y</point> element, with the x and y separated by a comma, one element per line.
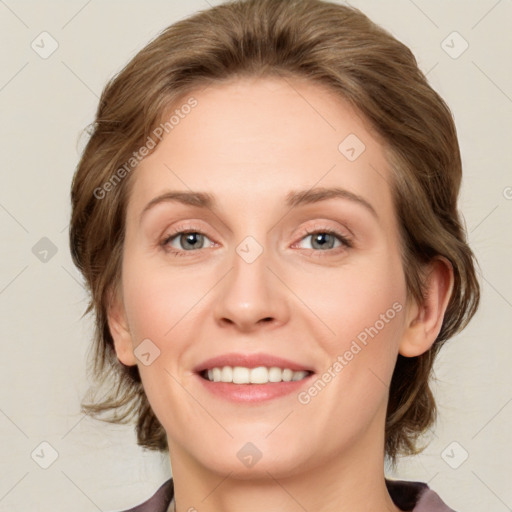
<point>292,263</point>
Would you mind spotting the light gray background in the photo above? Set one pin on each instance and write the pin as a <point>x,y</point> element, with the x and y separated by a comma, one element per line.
<point>45,103</point>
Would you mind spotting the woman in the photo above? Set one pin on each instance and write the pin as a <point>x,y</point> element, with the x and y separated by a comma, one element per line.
<point>266,217</point>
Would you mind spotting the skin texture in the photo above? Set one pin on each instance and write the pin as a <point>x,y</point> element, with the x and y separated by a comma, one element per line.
<point>249,142</point>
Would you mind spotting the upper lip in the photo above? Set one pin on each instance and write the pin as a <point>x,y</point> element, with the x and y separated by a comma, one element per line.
<point>250,361</point>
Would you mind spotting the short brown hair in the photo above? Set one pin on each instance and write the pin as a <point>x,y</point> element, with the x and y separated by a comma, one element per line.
<point>326,43</point>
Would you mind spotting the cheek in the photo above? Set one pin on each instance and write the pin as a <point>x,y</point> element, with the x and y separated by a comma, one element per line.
<point>359,301</point>
<point>158,299</point>
<point>363,307</point>
<point>161,305</point>
<point>162,301</point>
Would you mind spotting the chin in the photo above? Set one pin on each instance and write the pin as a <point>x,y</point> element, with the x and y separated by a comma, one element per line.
<point>251,460</point>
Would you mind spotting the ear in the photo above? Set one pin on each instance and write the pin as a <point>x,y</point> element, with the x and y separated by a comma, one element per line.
<point>424,321</point>
<point>119,329</point>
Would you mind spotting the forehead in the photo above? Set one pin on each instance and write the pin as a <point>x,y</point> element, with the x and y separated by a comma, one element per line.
<point>254,139</point>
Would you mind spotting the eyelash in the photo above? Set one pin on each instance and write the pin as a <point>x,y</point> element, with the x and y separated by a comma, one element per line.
<point>345,241</point>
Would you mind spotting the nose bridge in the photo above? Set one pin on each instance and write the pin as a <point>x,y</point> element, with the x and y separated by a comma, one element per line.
<point>250,293</point>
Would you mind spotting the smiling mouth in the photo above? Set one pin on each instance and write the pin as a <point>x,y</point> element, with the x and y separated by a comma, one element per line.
<point>258,375</point>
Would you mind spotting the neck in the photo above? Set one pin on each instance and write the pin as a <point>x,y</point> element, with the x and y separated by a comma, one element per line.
<point>347,482</point>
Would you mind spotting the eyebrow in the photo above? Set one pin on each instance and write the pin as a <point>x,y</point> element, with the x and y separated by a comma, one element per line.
<point>293,198</point>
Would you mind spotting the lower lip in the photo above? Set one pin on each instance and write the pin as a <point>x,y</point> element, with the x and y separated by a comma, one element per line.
<point>249,393</point>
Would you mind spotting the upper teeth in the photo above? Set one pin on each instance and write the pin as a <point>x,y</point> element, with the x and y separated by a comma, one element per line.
<point>259,375</point>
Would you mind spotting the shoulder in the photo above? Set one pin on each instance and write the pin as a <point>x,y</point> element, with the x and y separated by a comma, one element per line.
<point>415,497</point>
<point>159,502</point>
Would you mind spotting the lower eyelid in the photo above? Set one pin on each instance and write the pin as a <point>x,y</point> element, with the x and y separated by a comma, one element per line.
<point>344,240</point>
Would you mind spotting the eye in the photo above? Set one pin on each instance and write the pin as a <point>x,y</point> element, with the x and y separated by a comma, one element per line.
<point>179,243</point>
<point>184,241</point>
<point>326,239</point>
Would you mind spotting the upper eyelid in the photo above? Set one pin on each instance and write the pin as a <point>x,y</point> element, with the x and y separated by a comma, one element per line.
<point>344,239</point>
<point>307,230</point>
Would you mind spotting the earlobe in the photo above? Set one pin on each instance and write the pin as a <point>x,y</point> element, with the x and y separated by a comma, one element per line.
<point>424,321</point>
<point>119,329</point>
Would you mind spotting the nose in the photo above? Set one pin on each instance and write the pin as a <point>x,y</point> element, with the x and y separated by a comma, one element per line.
<point>251,296</point>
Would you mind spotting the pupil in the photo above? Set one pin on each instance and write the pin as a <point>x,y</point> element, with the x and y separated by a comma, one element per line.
<point>190,238</point>
<point>323,240</point>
